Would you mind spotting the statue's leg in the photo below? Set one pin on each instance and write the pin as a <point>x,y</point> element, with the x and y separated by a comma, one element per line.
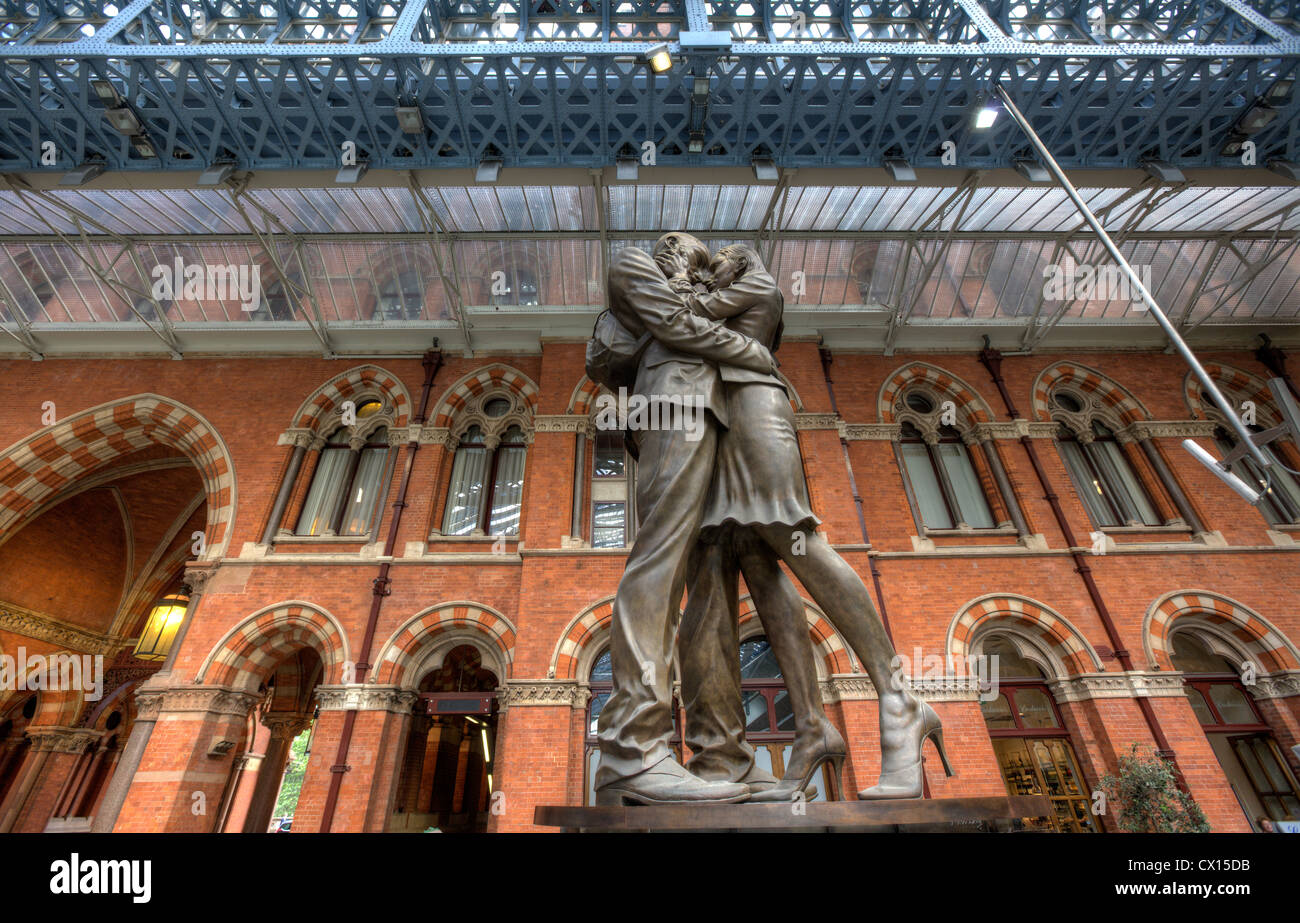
<point>708,647</point>
<point>780,609</point>
<point>841,594</point>
<point>635,726</point>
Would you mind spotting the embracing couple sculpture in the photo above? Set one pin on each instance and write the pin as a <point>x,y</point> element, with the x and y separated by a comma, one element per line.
<point>714,502</point>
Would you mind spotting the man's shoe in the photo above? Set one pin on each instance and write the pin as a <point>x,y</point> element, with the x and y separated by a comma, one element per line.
<point>668,783</point>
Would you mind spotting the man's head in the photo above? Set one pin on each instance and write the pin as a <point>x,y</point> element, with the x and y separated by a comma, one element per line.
<point>730,263</point>
<point>676,246</point>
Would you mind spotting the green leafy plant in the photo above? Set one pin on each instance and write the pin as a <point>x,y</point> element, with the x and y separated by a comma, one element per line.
<point>1146,795</point>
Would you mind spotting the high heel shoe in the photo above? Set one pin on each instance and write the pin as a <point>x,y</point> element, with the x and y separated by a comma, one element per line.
<point>907,782</point>
<point>829,748</point>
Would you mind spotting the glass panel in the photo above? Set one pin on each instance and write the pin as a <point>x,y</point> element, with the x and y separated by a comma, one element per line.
<point>610,457</point>
<point>608,525</point>
<point>763,758</point>
<point>598,700</point>
<point>997,713</point>
<point>925,486</point>
<point>1232,704</point>
<point>603,669</point>
<point>755,707</point>
<point>757,661</point>
<point>1123,484</point>
<point>784,711</point>
<point>1190,655</point>
<point>1088,487</point>
<point>1035,709</point>
<point>360,510</point>
<point>465,495</point>
<point>1197,701</point>
<point>508,491</point>
<point>972,506</point>
<point>322,498</point>
<point>1010,662</point>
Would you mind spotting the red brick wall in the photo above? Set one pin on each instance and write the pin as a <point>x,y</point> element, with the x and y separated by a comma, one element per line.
<point>542,589</point>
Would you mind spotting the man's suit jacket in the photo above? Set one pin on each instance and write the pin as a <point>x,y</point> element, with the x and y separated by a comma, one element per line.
<point>686,350</point>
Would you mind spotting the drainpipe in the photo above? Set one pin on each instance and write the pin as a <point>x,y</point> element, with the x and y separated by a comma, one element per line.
<point>825,355</point>
<point>432,362</point>
<point>992,360</point>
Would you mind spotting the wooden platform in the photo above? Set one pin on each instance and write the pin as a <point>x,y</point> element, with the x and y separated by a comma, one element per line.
<point>953,814</point>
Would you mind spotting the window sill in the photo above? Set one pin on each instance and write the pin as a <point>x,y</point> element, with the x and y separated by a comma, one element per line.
<point>970,532</point>
<point>471,538</point>
<point>1170,528</point>
<point>1285,527</point>
<point>289,538</point>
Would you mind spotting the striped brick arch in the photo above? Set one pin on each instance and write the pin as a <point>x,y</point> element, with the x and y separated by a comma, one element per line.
<point>402,657</point>
<point>1237,386</point>
<point>1253,634</point>
<point>1112,395</point>
<point>326,399</point>
<point>250,651</point>
<point>971,408</point>
<point>37,468</point>
<point>1061,639</point>
<point>589,630</point>
<point>480,381</point>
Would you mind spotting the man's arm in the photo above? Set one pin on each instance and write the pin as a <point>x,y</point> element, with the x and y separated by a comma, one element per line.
<point>640,284</point>
<point>736,298</point>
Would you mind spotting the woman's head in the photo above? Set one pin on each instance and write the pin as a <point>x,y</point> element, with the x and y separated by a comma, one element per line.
<point>730,263</point>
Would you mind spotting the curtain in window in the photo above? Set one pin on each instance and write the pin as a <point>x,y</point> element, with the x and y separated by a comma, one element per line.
<point>322,498</point>
<point>1087,485</point>
<point>1126,491</point>
<point>508,491</point>
<point>973,507</point>
<point>365,489</point>
<point>1282,495</point>
<point>465,496</point>
<point>925,485</point>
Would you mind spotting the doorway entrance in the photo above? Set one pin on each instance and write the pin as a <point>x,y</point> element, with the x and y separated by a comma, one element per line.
<point>447,774</point>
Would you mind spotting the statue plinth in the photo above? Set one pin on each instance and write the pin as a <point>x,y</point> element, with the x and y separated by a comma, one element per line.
<point>998,814</point>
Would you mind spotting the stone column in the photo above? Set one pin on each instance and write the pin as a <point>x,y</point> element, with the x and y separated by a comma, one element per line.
<point>300,442</point>
<point>148,699</point>
<point>369,787</point>
<point>54,753</point>
<point>284,728</point>
<point>188,761</point>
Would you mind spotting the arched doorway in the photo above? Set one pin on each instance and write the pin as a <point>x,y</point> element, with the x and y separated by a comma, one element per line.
<point>1241,739</point>
<point>1032,745</point>
<point>447,779</point>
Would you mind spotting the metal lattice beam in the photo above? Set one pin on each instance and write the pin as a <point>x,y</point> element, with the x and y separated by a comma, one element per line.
<point>562,82</point>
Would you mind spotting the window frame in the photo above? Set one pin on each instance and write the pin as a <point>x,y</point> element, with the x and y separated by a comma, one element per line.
<point>338,501</point>
<point>494,429</point>
<point>1070,424</point>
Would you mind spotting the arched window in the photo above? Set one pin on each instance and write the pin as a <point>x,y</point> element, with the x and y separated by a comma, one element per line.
<point>515,285</point>
<point>944,485</point>
<point>1281,503</point>
<point>613,523</point>
<point>601,685</point>
<point>1106,482</point>
<point>1241,739</point>
<point>769,716</point>
<point>400,296</point>
<point>345,488</point>
<point>487,474</point>
<point>1031,743</point>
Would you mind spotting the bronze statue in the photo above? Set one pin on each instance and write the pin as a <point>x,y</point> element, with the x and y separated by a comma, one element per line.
<point>739,489</point>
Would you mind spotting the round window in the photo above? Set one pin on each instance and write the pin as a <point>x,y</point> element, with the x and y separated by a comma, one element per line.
<point>369,408</point>
<point>920,402</point>
<point>497,407</point>
<point>1067,402</point>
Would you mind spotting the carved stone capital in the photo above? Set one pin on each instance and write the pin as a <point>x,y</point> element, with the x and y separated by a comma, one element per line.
<point>216,700</point>
<point>563,692</point>
<point>848,687</point>
<point>817,421</point>
<point>41,627</point>
<point>366,697</point>
<point>148,704</point>
<point>197,575</point>
<point>53,739</point>
<point>562,423</point>
<point>298,437</point>
<point>434,435</point>
<point>1279,685</point>
<point>285,726</point>
<point>880,432</point>
<point>1168,429</point>
<point>1132,685</point>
